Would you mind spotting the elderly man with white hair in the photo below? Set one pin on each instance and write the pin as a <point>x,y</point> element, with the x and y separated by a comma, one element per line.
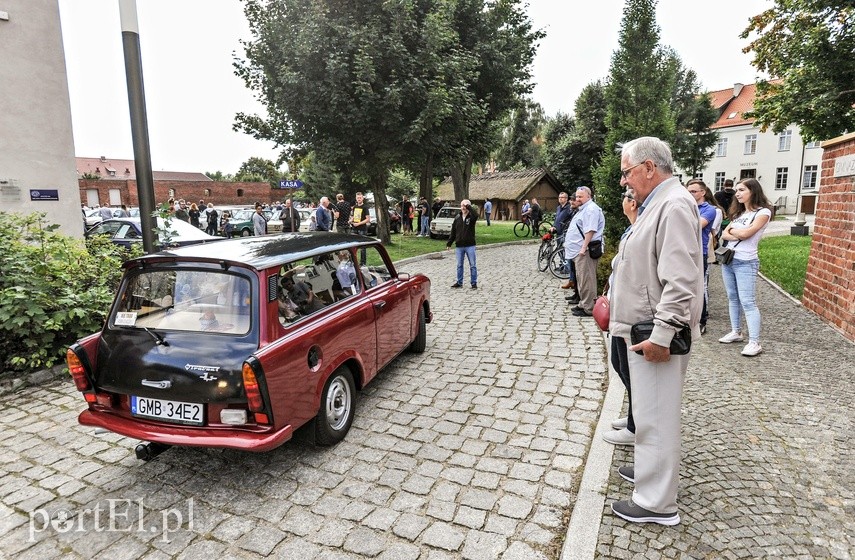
<point>584,230</point>
<point>658,276</point>
<point>323,218</point>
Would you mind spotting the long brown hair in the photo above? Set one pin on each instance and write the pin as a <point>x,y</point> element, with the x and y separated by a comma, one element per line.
<point>757,199</point>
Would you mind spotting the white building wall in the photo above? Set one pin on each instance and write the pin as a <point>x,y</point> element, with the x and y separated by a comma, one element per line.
<point>36,142</point>
<point>764,163</point>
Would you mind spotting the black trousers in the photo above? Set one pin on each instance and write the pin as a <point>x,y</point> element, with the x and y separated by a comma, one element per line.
<point>621,365</point>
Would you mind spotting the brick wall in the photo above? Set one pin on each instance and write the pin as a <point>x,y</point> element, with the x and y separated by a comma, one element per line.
<point>830,281</point>
<point>222,193</point>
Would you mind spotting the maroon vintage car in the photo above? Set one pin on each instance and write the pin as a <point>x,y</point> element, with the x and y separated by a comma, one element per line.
<point>236,344</point>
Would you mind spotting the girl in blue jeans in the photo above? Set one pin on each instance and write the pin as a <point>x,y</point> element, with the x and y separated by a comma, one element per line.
<point>749,214</point>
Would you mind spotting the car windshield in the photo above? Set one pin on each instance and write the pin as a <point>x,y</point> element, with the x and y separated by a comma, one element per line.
<point>448,212</point>
<point>185,300</point>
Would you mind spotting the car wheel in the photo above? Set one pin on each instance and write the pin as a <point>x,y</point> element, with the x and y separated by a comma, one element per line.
<point>433,236</point>
<point>338,405</point>
<point>245,233</point>
<point>418,344</point>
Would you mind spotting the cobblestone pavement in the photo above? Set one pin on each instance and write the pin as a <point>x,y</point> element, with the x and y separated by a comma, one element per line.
<point>767,454</point>
<point>471,450</point>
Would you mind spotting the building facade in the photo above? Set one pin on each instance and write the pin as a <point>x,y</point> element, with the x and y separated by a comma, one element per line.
<point>36,142</point>
<point>786,166</point>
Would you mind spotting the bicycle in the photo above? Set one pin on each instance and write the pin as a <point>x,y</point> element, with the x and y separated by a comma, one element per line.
<point>558,265</point>
<point>523,227</point>
<point>547,244</point>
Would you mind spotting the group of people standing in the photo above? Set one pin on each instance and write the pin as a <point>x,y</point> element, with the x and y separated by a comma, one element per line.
<point>660,272</point>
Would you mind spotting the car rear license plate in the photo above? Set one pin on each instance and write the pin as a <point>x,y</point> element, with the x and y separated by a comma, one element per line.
<point>168,411</point>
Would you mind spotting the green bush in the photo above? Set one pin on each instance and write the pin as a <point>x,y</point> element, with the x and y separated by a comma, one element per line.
<point>54,289</point>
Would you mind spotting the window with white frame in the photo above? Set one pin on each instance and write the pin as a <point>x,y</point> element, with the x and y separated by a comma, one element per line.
<point>781,178</point>
<point>785,140</point>
<point>809,178</point>
<point>812,144</point>
<point>721,147</point>
<point>719,180</point>
<point>750,144</point>
<point>699,175</point>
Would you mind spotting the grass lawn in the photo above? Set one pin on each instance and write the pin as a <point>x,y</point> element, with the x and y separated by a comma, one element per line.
<point>783,259</point>
<point>404,247</point>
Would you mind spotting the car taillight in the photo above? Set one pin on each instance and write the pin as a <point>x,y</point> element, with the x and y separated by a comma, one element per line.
<point>253,391</point>
<point>78,372</point>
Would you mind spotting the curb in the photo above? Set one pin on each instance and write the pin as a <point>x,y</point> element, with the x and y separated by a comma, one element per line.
<point>39,377</point>
<point>580,542</point>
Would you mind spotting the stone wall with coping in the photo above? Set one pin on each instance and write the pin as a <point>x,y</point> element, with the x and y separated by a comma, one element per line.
<point>830,280</point>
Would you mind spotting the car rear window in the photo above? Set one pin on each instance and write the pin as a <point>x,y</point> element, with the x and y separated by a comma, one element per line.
<point>185,300</point>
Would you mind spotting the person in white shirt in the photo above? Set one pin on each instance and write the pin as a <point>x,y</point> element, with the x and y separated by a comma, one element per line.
<point>749,216</point>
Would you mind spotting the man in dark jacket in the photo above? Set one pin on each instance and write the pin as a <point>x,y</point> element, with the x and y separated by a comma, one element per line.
<point>463,236</point>
<point>536,218</point>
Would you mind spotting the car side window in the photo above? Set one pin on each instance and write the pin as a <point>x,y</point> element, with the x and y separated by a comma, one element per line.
<point>374,269</point>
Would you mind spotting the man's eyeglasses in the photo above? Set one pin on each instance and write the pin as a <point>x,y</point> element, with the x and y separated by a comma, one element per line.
<point>625,172</point>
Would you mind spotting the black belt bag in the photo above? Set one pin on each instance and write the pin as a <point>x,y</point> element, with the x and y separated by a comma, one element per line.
<point>680,344</point>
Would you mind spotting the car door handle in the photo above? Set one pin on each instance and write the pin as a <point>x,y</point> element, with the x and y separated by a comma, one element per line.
<point>380,304</point>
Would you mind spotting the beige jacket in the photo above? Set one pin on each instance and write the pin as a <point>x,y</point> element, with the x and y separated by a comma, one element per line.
<point>659,272</point>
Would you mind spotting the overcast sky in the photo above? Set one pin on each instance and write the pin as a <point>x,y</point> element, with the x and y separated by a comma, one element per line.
<point>192,93</point>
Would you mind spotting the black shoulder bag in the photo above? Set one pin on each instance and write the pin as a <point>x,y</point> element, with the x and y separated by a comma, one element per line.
<point>680,344</point>
<point>595,247</point>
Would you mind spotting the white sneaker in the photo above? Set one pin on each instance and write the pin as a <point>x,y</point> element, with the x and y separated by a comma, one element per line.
<point>619,423</point>
<point>752,348</point>
<point>732,336</point>
<point>620,437</point>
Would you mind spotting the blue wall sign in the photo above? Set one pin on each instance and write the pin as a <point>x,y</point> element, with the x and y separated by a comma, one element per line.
<point>44,194</point>
<point>290,184</point>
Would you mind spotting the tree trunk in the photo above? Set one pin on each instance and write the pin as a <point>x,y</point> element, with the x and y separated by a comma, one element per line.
<point>460,174</point>
<point>381,205</point>
<point>426,180</point>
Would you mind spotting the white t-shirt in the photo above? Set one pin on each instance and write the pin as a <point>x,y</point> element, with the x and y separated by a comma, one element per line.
<point>746,250</point>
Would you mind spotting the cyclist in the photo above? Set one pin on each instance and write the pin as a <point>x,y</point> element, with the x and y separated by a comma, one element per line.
<point>525,215</point>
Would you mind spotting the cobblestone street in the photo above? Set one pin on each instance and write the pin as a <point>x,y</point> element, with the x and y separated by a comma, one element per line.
<point>470,450</point>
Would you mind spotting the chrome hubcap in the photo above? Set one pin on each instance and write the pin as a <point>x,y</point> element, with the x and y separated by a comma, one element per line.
<point>338,403</point>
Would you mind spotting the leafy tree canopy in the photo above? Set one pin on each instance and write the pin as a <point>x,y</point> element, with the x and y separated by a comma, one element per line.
<point>258,169</point>
<point>809,46</point>
<point>522,137</point>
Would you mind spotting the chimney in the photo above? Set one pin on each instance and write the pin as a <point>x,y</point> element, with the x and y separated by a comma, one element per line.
<point>104,159</point>
<point>737,89</point>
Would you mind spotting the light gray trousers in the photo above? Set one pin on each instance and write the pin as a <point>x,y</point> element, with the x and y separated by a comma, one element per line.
<point>657,394</point>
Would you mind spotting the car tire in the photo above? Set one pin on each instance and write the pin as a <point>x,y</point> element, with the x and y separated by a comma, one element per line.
<point>245,233</point>
<point>433,236</point>
<point>338,406</point>
<point>418,344</point>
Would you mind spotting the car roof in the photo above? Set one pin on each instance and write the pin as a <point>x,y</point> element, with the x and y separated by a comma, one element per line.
<point>261,252</point>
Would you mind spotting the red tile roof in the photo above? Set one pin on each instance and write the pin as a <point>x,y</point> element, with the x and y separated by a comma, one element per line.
<point>733,107</point>
<point>732,104</point>
<point>124,170</point>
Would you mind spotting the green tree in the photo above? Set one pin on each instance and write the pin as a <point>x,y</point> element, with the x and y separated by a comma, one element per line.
<point>574,145</point>
<point>809,47</point>
<point>219,176</point>
<point>693,113</point>
<point>258,169</point>
<point>521,143</point>
<point>342,82</point>
<point>638,76</point>
<point>498,36</point>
